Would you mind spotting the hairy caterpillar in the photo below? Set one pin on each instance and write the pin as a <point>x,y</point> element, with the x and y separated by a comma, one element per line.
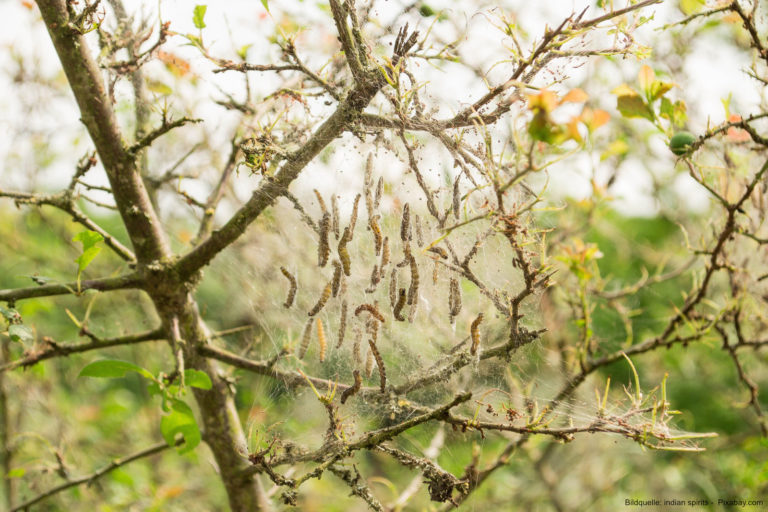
<point>342,323</point>
<point>372,328</point>
<point>292,290</point>
<point>399,305</point>
<point>373,310</point>
<point>322,343</point>
<point>405,225</point>
<point>393,288</point>
<point>368,364</point>
<point>368,184</point>
<point>439,251</point>
<point>434,272</point>
<point>377,197</point>
<point>385,253</point>
<point>323,208</point>
<point>419,234</point>
<point>346,262</point>
<point>306,337</point>
<point>375,278</point>
<point>474,332</point>
<point>456,198</point>
<point>380,364</point>
<point>377,237</point>
<point>352,390</point>
<point>454,299</point>
<point>353,218</point>
<point>406,255</point>
<point>413,291</point>
<point>323,247</point>
<point>322,300</point>
<point>356,345</point>
<point>335,216</point>
<point>336,281</point>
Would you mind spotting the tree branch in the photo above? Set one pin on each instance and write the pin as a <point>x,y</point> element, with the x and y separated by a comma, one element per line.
<point>124,282</point>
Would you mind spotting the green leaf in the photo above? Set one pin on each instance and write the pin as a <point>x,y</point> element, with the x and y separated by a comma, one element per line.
<point>632,105</point>
<point>89,239</point>
<point>265,3</point>
<point>10,314</point>
<point>20,333</point>
<point>112,369</point>
<point>198,16</point>
<point>16,473</point>
<point>182,421</point>
<point>197,379</point>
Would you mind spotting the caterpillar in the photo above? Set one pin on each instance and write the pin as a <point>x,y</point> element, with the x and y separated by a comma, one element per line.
<point>353,389</point>
<point>385,253</point>
<point>405,225</point>
<point>454,299</point>
<point>377,238</point>
<point>434,272</point>
<point>419,234</point>
<point>380,364</point>
<point>399,305</point>
<point>342,324</point>
<point>323,208</point>
<point>439,251</point>
<point>336,281</point>
<point>406,255</point>
<point>292,290</point>
<point>353,218</point>
<point>322,300</point>
<point>377,197</point>
<point>368,364</point>
<point>393,288</point>
<point>373,310</point>
<point>322,343</point>
<point>324,248</point>
<point>335,216</point>
<point>474,332</point>
<point>346,262</point>
<point>413,291</point>
<point>356,346</point>
<point>306,337</point>
<point>456,198</point>
<point>375,278</point>
<point>368,184</point>
<point>372,328</point>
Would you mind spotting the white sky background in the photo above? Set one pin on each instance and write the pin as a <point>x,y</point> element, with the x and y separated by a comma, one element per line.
<point>714,70</point>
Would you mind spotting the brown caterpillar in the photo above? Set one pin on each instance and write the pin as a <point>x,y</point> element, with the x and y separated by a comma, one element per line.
<point>322,343</point>
<point>342,323</point>
<point>375,279</point>
<point>439,251</point>
<point>353,218</point>
<point>399,305</point>
<point>435,272</point>
<point>373,310</point>
<point>368,364</point>
<point>322,300</point>
<point>335,216</point>
<point>292,290</point>
<point>405,225</point>
<point>377,237</point>
<point>419,234</point>
<point>380,364</point>
<point>474,332</point>
<point>454,299</point>
<point>346,262</point>
<point>385,253</point>
<point>413,291</point>
<point>406,255</point>
<point>306,337</point>
<point>352,390</point>
<point>393,288</point>
<point>372,328</point>
<point>356,345</point>
<point>377,197</point>
<point>323,208</point>
<point>456,198</point>
<point>336,281</point>
<point>323,247</point>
